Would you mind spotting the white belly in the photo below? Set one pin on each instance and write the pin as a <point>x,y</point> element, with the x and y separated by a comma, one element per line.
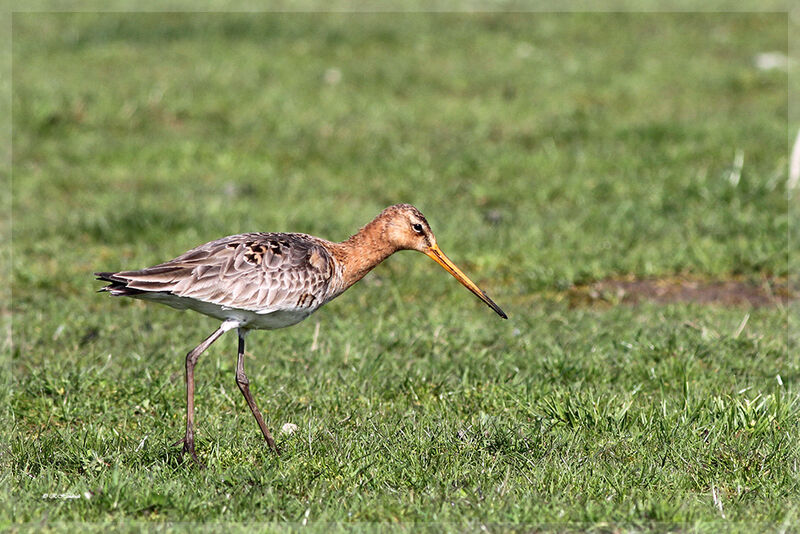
<point>271,320</point>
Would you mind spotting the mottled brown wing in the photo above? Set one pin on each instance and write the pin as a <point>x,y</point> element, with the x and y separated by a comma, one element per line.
<point>257,272</point>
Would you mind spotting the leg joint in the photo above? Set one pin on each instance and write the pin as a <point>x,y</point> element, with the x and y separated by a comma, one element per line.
<point>191,358</point>
<point>241,379</point>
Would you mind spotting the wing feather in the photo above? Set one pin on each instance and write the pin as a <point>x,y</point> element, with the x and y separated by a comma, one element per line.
<point>260,272</point>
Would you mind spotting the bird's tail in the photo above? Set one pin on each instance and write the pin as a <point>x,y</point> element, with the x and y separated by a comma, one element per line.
<point>118,287</point>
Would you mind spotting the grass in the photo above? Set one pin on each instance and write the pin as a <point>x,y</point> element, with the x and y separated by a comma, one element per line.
<point>547,150</point>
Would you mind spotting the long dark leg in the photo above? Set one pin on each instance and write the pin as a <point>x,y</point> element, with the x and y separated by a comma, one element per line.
<point>244,387</point>
<point>191,360</point>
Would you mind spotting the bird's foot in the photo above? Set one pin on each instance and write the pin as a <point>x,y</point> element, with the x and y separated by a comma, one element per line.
<point>275,449</point>
<point>188,446</point>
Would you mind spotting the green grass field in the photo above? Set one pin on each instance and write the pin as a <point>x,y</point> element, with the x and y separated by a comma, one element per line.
<point>547,151</point>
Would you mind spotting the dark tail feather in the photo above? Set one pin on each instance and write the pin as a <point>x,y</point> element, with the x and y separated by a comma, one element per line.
<point>117,287</point>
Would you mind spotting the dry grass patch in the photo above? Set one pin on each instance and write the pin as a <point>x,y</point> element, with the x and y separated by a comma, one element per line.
<point>733,292</point>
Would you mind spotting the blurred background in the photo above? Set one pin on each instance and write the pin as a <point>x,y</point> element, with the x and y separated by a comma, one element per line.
<point>545,150</point>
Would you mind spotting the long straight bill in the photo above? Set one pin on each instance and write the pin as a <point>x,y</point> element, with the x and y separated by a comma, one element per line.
<point>436,254</point>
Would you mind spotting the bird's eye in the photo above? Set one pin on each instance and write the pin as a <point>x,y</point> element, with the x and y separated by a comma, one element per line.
<point>417,228</point>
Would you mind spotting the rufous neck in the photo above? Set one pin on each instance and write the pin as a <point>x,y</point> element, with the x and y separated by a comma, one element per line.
<point>363,251</point>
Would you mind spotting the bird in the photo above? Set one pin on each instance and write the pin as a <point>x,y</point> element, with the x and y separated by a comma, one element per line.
<point>266,281</point>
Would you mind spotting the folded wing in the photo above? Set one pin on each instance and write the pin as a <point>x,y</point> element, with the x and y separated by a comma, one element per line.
<point>260,272</point>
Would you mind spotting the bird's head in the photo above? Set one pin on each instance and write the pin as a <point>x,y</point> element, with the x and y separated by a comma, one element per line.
<point>407,229</point>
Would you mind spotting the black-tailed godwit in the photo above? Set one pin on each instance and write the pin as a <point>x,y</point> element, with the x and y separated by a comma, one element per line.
<point>264,281</point>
